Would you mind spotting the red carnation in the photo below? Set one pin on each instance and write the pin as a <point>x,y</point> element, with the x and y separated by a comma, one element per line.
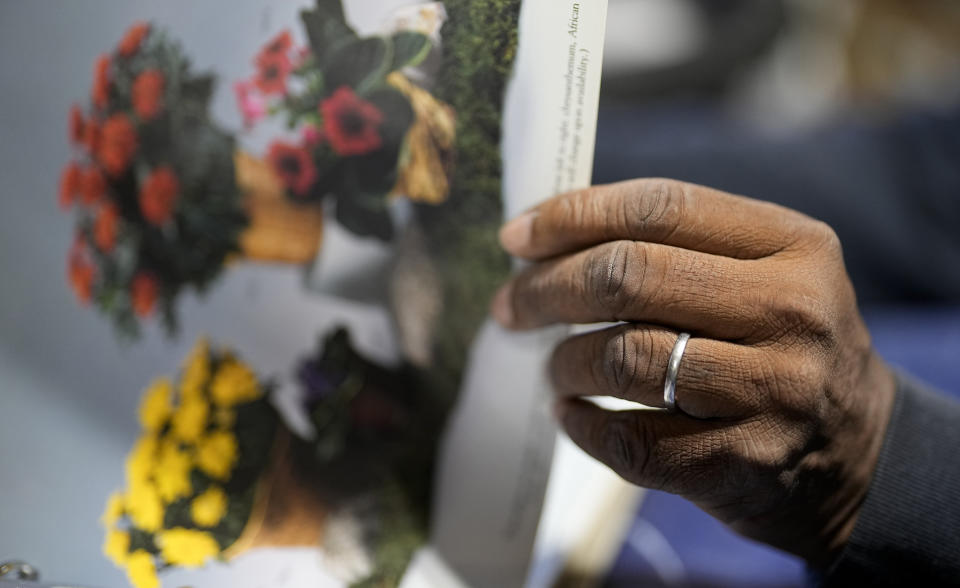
<point>143,294</point>
<point>118,144</point>
<point>93,186</point>
<point>70,182</point>
<point>133,38</point>
<point>101,82</point>
<point>105,228</point>
<point>272,72</point>
<point>80,271</point>
<point>350,123</point>
<point>279,45</point>
<point>76,125</point>
<point>147,94</point>
<point>91,136</point>
<point>294,166</point>
<point>158,196</point>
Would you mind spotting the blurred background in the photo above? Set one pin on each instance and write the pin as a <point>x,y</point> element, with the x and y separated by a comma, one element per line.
<point>847,111</point>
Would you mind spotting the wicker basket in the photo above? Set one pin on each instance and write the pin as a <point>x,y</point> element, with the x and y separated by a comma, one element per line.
<point>286,511</point>
<point>280,231</point>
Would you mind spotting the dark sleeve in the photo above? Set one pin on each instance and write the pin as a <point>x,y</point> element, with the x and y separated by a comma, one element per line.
<point>908,531</point>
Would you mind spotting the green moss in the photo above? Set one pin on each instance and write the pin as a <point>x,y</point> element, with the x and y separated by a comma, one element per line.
<point>479,43</point>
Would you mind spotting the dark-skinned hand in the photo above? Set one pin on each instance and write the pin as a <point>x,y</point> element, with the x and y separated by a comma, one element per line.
<point>782,401</point>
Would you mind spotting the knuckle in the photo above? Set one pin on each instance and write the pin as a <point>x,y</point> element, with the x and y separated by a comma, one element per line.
<point>622,448</point>
<point>798,311</point>
<point>766,446</point>
<point>781,382</point>
<point>608,278</point>
<point>619,364</point>
<point>798,381</point>
<point>657,209</point>
<point>624,360</point>
<point>824,238</point>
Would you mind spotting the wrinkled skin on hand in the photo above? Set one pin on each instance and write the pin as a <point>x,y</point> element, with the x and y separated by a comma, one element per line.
<point>782,401</point>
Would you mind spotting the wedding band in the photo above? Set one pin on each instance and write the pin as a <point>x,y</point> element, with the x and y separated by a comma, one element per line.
<point>673,366</point>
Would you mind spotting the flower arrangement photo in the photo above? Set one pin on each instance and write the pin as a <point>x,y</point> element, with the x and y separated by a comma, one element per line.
<point>162,197</point>
<point>192,477</point>
<point>375,440</point>
<point>366,131</point>
<point>216,472</point>
<point>152,183</point>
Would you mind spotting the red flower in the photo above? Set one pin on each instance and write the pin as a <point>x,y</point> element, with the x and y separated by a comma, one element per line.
<point>272,72</point>
<point>350,123</point>
<point>158,195</point>
<point>294,166</point>
<point>70,181</point>
<point>279,45</point>
<point>105,228</point>
<point>80,271</point>
<point>76,125</point>
<point>118,144</point>
<point>93,186</point>
<point>252,105</point>
<point>101,82</point>
<point>143,294</point>
<point>147,94</point>
<point>91,136</point>
<point>131,41</point>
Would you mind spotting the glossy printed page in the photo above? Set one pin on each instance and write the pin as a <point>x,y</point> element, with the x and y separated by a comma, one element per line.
<point>277,227</point>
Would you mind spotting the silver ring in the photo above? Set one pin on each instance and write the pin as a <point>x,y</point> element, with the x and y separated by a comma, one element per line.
<point>673,366</point>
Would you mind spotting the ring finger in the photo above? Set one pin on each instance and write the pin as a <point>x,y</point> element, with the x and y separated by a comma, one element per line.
<point>630,362</point>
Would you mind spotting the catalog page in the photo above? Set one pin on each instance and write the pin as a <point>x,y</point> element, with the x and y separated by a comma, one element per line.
<point>251,249</point>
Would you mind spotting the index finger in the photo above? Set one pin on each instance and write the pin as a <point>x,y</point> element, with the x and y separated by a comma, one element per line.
<point>654,210</point>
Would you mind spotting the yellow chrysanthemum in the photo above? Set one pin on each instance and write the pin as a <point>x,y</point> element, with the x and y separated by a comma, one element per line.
<point>224,418</point>
<point>141,459</point>
<point>208,508</point>
<point>116,546</point>
<point>216,454</point>
<point>141,571</point>
<point>113,511</point>
<point>145,507</point>
<point>187,547</point>
<point>155,407</point>
<point>234,383</point>
<point>196,370</point>
<point>190,419</point>
<point>172,473</point>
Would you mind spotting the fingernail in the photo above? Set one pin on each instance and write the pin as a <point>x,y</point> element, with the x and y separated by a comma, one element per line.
<point>502,306</point>
<point>516,234</point>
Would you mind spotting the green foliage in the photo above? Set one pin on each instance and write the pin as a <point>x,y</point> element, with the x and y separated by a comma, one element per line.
<point>357,182</point>
<point>326,27</point>
<point>409,49</point>
<point>358,63</point>
<point>480,41</point>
